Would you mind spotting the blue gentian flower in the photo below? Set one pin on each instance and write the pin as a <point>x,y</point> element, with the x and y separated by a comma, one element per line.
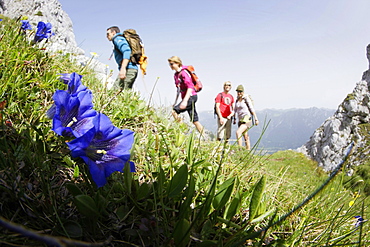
<point>43,31</point>
<point>73,114</point>
<point>358,220</point>
<point>65,77</point>
<point>75,85</point>
<point>26,25</point>
<point>104,148</point>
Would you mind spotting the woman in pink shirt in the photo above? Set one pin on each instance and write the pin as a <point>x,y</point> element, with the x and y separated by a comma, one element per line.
<point>185,86</point>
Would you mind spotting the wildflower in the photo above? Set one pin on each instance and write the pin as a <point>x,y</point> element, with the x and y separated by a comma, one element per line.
<point>43,31</point>
<point>75,85</point>
<point>65,77</point>
<point>26,25</point>
<point>104,148</point>
<point>1,19</point>
<point>72,114</point>
<point>94,54</point>
<point>358,220</point>
<point>350,204</point>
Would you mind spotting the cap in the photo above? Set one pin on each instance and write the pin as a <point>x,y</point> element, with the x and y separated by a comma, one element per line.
<point>227,83</point>
<point>240,88</point>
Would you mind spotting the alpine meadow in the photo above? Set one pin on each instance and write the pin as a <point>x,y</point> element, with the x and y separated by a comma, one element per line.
<point>83,166</point>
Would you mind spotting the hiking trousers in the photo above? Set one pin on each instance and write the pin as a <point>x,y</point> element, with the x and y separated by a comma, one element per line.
<point>128,82</point>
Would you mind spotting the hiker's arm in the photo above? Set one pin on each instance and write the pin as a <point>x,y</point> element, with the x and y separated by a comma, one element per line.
<point>255,118</point>
<point>218,112</point>
<point>122,71</point>
<point>125,49</point>
<point>232,112</point>
<point>185,100</point>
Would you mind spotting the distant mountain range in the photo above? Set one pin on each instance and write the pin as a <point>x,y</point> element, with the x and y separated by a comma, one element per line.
<point>286,129</point>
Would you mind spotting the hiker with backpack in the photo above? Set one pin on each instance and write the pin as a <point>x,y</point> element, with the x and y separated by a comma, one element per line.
<point>224,109</point>
<point>124,56</point>
<point>246,116</point>
<point>185,86</point>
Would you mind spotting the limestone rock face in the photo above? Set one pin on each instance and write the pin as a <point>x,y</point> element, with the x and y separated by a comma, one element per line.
<point>330,141</point>
<point>64,39</point>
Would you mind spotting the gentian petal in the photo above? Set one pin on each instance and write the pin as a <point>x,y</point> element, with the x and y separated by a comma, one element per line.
<point>73,114</point>
<point>75,85</point>
<point>104,148</point>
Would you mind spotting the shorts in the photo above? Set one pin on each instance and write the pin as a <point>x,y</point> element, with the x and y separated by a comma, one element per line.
<point>190,108</point>
<point>224,130</point>
<point>245,120</point>
<point>128,82</point>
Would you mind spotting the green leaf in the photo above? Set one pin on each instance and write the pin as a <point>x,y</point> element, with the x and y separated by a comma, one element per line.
<point>232,208</point>
<point>256,197</point>
<point>263,216</point>
<point>181,233</point>
<point>178,181</point>
<point>223,194</point>
<point>189,148</point>
<point>127,177</point>
<point>76,172</point>
<point>86,205</point>
<point>189,195</point>
<point>143,191</point>
<point>73,229</point>
<point>67,159</point>
<point>73,189</point>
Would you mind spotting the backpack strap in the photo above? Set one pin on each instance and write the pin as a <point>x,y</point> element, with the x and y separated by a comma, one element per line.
<point>246,102</point>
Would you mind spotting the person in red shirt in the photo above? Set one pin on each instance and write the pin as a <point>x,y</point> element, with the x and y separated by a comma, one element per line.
<point>224,111</point>
<point>185,86</point>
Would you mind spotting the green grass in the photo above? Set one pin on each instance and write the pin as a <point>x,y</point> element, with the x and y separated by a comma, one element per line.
<point>186,191</point>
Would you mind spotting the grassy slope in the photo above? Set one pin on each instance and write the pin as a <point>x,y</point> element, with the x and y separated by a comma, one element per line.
<point>43,189</point>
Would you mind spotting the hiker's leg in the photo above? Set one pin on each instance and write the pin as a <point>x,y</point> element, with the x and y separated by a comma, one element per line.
<point>239,133</point>
<point>192,111</point>
<point>247,141</point>
<point>220,130</point>
<point>118,84</point>
<point>199,126</point>
<point>228,129</point>
<point>176,116</point>
<point>131,75</point>
<point>246,136</point>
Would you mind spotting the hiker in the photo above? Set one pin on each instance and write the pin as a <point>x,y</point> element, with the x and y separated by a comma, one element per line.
<point>245,111</point>
<point>122,54</point>
<point>224,109</point>
<point>185,87</point>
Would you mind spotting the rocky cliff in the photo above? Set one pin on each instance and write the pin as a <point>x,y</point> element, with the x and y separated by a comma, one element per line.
<point>51,11</point>
<point>329,142</point>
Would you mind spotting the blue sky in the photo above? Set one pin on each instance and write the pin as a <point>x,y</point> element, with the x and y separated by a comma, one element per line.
<point>287,54</point>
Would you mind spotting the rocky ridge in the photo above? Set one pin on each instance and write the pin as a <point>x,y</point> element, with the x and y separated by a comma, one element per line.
<point>63,41</point>
<point>329,142</point>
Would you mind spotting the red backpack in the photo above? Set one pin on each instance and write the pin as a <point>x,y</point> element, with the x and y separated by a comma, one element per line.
<point>198,86</point>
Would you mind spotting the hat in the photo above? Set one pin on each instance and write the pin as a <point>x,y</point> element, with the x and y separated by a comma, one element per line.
<point>240,88</point>
<point>227,82</point>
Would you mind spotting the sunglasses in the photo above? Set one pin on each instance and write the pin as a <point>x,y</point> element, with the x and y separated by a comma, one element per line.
<point>228,85</point>
<point>239,91</point>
